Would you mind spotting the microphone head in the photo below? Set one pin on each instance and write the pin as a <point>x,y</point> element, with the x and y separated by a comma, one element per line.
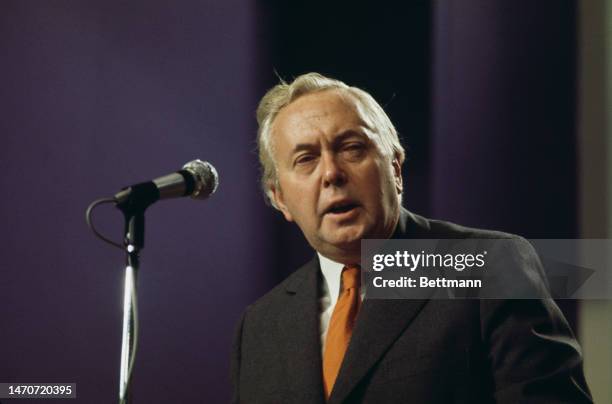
<point>205,176</point>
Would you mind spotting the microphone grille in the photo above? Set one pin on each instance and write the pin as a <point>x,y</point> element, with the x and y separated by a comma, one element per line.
<point>205,176</point>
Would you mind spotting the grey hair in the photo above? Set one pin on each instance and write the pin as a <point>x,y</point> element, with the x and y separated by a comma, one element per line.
<point>284,93</point>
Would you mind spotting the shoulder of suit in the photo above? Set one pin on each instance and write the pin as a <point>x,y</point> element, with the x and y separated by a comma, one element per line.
<point>279,293</point>
<point>444,229</point>
<point>419,227</point>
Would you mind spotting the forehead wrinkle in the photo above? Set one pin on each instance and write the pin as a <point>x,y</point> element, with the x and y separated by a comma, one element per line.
<point>306,121</point>
<point>365,118</point>
<point>364,122</point>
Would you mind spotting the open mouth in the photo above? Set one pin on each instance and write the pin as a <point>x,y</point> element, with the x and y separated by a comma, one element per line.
<point>341,208</point>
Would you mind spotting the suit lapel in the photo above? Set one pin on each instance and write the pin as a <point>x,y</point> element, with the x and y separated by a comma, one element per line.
<point>378,325</point>
<point>299,329</point>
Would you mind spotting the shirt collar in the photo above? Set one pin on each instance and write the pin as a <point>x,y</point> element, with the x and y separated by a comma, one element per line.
<point>332,272</point>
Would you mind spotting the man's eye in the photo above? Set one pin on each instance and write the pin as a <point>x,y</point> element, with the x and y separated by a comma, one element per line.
<point>304,159</point>
<point>354,148</point>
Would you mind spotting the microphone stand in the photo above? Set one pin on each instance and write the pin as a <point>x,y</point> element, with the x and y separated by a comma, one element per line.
<point>133,208</point>
<point>134,232</point>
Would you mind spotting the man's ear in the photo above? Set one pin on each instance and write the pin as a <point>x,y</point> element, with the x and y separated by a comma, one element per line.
<point>397,175</point>
<point>279,203</point>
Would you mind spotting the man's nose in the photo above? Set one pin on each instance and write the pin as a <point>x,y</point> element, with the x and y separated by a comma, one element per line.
<point>333,173</point>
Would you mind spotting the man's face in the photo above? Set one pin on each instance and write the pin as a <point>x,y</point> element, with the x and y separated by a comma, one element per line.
<point>333,180</point>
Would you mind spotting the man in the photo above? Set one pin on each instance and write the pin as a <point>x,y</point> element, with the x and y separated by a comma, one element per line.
<point>331,163</point>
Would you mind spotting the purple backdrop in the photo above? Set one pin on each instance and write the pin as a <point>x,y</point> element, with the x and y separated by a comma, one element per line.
<point>97,95</point>
<point>503,128</point>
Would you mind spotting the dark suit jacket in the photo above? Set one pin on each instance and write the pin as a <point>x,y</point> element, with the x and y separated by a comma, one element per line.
<point>409,351</point>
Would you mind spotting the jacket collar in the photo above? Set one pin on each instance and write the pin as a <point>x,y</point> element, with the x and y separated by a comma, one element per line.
<point>298,327</point>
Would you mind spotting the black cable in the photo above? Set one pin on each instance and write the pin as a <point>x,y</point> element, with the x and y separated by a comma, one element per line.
<point>90,223</point>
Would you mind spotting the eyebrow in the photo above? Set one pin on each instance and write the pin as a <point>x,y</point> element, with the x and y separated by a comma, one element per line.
<point>302,147</point>
<point>349,133</point>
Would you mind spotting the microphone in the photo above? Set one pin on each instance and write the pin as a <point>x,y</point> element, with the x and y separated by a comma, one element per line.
<point>198,179</point>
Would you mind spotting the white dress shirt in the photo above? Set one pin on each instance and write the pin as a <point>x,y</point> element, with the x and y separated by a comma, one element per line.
<point>329,292</point>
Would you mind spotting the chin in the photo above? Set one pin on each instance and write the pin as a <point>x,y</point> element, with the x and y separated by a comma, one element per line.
<point>346,237</point>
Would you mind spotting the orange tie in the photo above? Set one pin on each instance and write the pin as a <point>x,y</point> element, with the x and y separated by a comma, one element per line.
<point>341,327</point>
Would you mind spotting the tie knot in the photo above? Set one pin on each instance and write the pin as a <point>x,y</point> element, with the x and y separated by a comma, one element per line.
<point>351,278</point>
